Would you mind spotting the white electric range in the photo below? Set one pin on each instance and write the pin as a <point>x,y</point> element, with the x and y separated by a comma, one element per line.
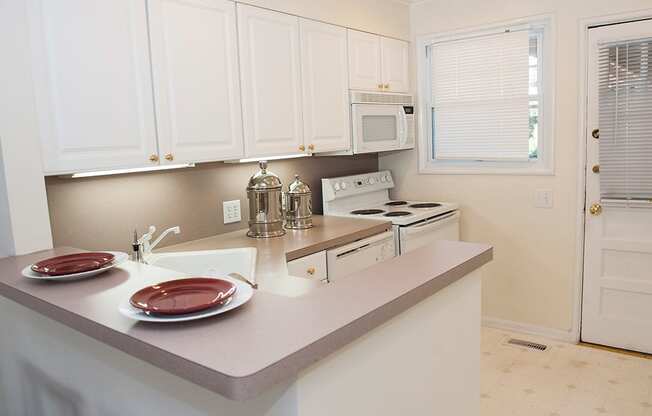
<point>415,223</point>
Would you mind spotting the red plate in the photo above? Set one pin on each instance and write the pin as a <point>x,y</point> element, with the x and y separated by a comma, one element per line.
<point>178,297</point>
<point>72,263</point>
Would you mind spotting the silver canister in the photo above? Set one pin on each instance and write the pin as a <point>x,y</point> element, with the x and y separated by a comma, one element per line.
<point>265,196</point>
<point>298,205</point>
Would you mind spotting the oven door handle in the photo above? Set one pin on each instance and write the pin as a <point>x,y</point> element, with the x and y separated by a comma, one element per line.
<point>437,221</point>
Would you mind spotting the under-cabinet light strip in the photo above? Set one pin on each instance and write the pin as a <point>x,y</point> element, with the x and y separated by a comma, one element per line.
<point>130,170</point>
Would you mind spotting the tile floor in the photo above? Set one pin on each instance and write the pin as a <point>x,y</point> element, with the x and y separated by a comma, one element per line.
<point>566,379</point>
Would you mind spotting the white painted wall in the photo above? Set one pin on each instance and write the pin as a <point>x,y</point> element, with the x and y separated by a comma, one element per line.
<point>24,218</point>
<point>532,278</point>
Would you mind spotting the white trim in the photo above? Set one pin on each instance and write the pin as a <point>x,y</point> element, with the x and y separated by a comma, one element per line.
<point>540,331</point>
<point>542,167</point>
<point>583,57</point>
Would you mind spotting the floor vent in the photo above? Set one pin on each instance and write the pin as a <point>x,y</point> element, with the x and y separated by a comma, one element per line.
<point>527,344</point>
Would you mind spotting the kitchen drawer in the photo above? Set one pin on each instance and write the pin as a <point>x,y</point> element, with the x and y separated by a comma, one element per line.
<point>310,267</point>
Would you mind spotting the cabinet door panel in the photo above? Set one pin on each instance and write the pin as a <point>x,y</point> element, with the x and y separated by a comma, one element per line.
<point>92,81</point>
<point>364,61</point>
<point>271,86</point>
<point>394,55</point>
<point>324,65</point>
<point>197,90</point>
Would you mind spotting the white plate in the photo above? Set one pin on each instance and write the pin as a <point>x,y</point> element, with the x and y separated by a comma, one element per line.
<point>120,257</point>
<point>243,293</point>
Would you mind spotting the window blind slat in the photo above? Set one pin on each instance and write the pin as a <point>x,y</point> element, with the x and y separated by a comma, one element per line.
<point>480,98</point>
<point>625,118</point>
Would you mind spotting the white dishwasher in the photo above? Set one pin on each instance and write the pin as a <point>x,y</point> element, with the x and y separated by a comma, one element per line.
<point>345,260</point>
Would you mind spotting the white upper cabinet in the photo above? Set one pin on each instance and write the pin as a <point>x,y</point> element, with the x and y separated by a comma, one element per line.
<point>196,80</point>
<point>377,63</point>
<point>394,59</point>
<point>325,87</point>
<point>93,87</point>
<point>364,61</point>
<point>271,82</point>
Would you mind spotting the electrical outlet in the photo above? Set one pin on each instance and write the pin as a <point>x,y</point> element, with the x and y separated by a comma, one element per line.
<point>543,198</point>
<point>231,211</point>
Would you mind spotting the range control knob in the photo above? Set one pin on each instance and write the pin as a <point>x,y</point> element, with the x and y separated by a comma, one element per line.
<point>343,185</point>
<point>383,179</point>
<point>336,186</point>
<point>372,181</point>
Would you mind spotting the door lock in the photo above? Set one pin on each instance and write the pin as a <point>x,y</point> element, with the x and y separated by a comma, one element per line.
<point>595,209</point>
<point>595,133</point>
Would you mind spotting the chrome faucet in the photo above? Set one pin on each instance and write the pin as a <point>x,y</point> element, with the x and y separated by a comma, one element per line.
<point>142,246</point>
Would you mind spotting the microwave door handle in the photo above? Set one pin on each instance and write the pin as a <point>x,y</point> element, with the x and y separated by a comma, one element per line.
<point>403,139</point>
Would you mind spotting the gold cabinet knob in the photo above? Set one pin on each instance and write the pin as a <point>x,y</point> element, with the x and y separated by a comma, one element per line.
<point>380,86</point>
<point>302,147</point>
<point>595,169</point>
<point>386,86</point>
<point>311,147</point>
<point>595,209</point>
<point>169,157</point>
<point>311,271</point>
<point>595,133</point>
<point>153,158</point>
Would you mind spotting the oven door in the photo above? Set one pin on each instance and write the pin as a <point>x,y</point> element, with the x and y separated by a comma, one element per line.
<point>443,227</point>
<point>378,127</point>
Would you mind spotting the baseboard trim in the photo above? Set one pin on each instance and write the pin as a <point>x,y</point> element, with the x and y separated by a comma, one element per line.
<point>552,333</point>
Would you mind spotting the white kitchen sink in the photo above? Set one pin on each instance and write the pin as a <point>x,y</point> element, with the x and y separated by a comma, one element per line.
<point>213,263</point>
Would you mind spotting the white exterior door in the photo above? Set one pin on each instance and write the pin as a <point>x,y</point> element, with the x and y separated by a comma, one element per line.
<point>324,73</point>
<point>196,80</point>
<point>364,61</point>
<point>271,82</point>
<point>91,71</point>
<point>617,290</point>
<point>394,58</point>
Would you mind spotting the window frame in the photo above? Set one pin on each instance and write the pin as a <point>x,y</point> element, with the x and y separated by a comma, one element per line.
<point>544,164</point>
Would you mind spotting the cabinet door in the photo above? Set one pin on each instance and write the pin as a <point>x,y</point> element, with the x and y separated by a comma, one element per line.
<point>394,56</point>
<point>324,73</point>
<point>93,88</point>
<point>196,80</point>
<point>271,82</point>
<point>364,61</point>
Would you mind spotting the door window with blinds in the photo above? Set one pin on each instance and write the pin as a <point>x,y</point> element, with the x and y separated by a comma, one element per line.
<point>625,121</point>
<point>486,100</point>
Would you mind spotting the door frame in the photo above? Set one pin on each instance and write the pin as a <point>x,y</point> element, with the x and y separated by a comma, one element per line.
<point>583,56</point>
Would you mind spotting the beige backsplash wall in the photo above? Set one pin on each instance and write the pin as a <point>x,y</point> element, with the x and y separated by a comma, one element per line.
<point>101,213</point>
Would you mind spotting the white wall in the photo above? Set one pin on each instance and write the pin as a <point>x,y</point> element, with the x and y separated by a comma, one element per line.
<point>532,278</point>
<point>24,221</point>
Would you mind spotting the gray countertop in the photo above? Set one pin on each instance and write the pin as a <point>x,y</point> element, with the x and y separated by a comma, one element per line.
<point>242,353</point>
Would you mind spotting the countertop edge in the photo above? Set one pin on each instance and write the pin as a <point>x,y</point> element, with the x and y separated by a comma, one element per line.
<point>248,387</point>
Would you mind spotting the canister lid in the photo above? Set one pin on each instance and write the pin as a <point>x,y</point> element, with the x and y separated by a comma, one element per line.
<point>298,186</point>
<point>263,179</point>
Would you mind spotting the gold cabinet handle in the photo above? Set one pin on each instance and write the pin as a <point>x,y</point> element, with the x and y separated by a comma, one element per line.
<point>311,147</point>
<point>311,271</point>
<point>302,147</point>
<point>153,158</point>
<point>169,157</point>
<point>595,169</point>
<point>595,133</point>
<point>380,86</point>
<point>386,86</point>
<point>595,209</point>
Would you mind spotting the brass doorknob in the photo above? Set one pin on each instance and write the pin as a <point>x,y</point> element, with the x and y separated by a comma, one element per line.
<point>153,158</point>
<point>596,169</point>
<point>311,270</point>
<point>169,157</point>
<point>302,147</point>
<point>311,147</point>
<point>595,209</point>
<point>595,133</point>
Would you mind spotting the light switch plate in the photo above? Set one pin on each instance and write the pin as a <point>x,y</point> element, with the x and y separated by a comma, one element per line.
<point>231,211</point>
<point>543,198</point>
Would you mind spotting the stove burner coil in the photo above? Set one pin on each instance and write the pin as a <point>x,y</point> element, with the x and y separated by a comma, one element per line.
<point>367,211</point>
<point>396,203</point>
<point>425,205</point>
<point>397,214</point>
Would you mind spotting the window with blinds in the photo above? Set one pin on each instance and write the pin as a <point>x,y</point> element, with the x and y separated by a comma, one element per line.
<point>625,120</point>
<point>482,88</point>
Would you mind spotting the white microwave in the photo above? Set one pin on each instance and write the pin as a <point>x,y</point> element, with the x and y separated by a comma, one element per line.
<point>382,121</point>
